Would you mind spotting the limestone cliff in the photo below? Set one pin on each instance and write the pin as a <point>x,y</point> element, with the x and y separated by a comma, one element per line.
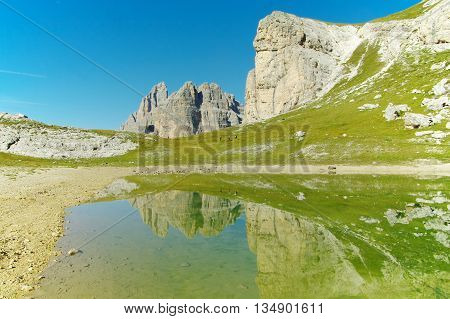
<point>191,110</point>
<point>299,60</point>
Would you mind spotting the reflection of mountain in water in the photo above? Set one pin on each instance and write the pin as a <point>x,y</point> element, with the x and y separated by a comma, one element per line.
<point>191,213</point>
<point>297,257</point>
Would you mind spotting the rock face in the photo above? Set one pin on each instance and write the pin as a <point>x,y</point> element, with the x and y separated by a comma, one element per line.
<point>22,136</point>
<point>299,60</point>
<point>189,111</point>
<point>296,59</point>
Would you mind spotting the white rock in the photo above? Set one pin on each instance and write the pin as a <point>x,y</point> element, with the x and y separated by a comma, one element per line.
<point>436,104</point>
<point>300,135</point>
<point>439,135</point>
<point>29,138</point>
<point>416,91</point>
<point>368,107</point>
<point>12,117</point>
<point>393,112</point>
<point>414,120</point>
<point>378,96</point>
<point>301,196</point>
<point>441,88</point>
<point>424,133</point>
<point>438,66</point>
<point>447,126</point>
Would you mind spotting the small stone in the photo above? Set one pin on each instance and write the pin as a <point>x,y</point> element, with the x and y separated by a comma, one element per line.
<point>416,91</point>
<point>438,66</point>
<point>439,135</point>
<point>26,288</point>
<point>185,265</point>
<point>300,135</point>
<point>72,252</point>
<point>378,96</point>
<point>366,107</point>
<point>423,133</point>
<point>447,126</point>
<point>301,196</point>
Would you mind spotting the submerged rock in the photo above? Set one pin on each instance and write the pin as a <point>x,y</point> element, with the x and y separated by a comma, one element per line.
<point>73,252</point>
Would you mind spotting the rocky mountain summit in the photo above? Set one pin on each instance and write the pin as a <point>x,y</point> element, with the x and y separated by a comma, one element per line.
<point>190,110</point>
<point>20,135</point>
<point>299,60</point>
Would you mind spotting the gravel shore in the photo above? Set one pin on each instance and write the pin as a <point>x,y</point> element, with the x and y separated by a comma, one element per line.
<point>32,204</point>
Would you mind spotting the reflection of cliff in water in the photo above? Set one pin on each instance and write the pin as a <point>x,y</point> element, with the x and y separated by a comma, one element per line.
<point>298,258</point>
<point>191,213</point>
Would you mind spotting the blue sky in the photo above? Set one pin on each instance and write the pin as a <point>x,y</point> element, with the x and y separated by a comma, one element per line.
<point>142,43</point>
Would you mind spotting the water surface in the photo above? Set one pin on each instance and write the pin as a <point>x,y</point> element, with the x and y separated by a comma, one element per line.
<point>188,244</point>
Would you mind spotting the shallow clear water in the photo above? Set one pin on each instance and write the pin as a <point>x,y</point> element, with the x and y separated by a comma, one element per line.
<point>179,244</point>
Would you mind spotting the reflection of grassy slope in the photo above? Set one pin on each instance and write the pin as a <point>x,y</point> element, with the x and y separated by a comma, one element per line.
<point>338,202</point>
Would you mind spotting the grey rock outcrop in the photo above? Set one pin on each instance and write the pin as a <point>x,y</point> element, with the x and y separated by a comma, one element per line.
<point>13,117</point>
<point>299,60</point>
<point>191,110</point>
<point>22,136</point>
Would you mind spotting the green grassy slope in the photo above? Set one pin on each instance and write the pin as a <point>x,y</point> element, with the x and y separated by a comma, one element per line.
<point>410,13</point>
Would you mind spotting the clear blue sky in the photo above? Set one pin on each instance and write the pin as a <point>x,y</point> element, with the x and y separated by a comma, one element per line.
<point>142,42</point>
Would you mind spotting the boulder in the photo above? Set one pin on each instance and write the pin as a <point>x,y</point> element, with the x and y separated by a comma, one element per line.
<point>394,112</point>
<point>436,104</point>
<point>441,88</point>
<point>415,121</point>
